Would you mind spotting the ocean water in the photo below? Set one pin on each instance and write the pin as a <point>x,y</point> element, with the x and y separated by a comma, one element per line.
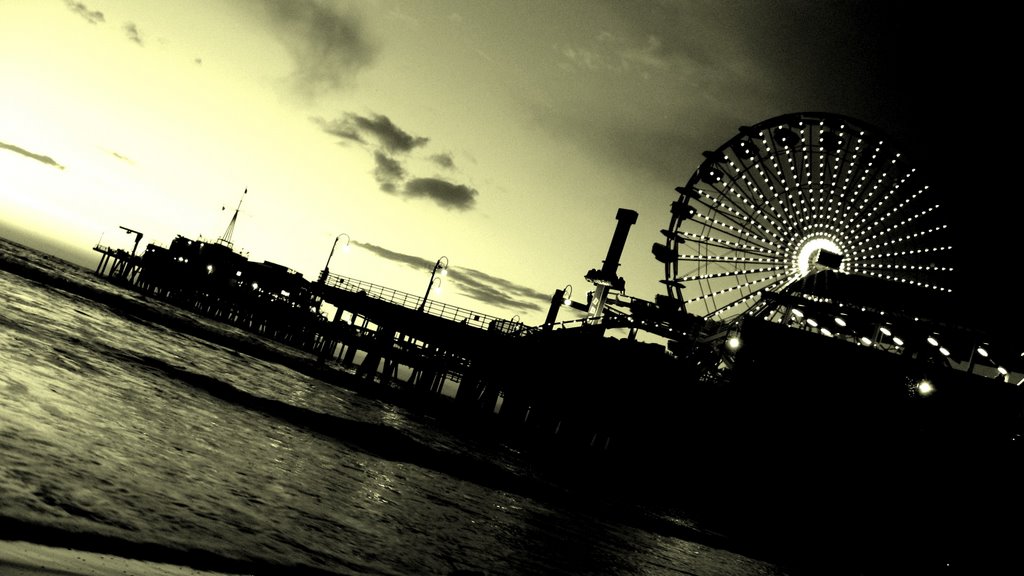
<point>122,434</point>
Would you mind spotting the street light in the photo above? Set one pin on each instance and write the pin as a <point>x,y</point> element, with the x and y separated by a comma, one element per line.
<point>345,248</point>
<point>567,295</point>
<point>442,265</point>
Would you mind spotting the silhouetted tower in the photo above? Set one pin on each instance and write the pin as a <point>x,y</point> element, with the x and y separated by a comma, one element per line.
<point>606,278</point>
<point>225,239</point>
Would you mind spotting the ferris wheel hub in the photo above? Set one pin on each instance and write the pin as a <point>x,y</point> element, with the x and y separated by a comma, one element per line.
<point>818,253</point>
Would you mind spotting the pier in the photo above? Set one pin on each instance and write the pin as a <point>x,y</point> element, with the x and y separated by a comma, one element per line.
<point>117,262</point>
<point>560,378</point>
<point>388,338</point>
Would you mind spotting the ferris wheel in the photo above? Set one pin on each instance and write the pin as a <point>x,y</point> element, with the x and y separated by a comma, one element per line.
<point>792,195</point>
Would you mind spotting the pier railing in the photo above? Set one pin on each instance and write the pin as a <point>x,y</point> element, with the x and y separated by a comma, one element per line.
<point>431,307</point>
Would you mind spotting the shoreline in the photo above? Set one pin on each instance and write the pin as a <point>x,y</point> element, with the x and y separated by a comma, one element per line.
<point>23,558</point>
<point>31,550</point>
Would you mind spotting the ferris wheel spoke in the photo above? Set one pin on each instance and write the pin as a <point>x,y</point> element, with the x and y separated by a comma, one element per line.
<point>732,273</point>
<point>740,298</point>
<point>752,285</point>
<point>783,207</point>
<point>742,198</point>
<point>760,209</point>
<point>725,233</point>
<point>726,245</point>
<point>769,221</point>
<point>751,192</point>
<point>911,261</point>
<point>759,197</point>
<point>727,237</point>
<point>875,211</point>
<point>929,239</point>
<point>720,207</point>
<point>733,260</point>
<point>911,222</point>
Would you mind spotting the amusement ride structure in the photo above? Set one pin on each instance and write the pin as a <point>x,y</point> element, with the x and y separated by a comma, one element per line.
<point>797,193</point>
<point>824,209</point>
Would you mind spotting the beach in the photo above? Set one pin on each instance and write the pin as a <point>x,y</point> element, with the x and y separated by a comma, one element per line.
<point>20,558</point>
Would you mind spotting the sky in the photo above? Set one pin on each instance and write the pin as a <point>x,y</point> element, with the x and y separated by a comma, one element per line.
<point>503,136</point>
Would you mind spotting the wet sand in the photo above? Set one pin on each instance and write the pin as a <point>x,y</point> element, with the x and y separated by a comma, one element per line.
<point>20,558</point>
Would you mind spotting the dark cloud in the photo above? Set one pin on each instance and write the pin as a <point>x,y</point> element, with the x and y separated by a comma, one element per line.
<point>498,291</point>
<point>37,157</point>
<point>391,137</point>
<point>132,32</point>
<point>444,160</point>
<point>379,128</point>
<point>478,285</point>
<point>93,16</point>
<point>341,128</point>
<point>389,172</point>
<point>328,48</point>
<point>445,194</point>
<point>386,140</point>
<point>407,259</point>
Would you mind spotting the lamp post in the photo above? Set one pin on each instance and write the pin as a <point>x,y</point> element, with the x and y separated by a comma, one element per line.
<point>131,262</point>
<point>442,265</point>
<point>323,275</point>
<point>560,298</point>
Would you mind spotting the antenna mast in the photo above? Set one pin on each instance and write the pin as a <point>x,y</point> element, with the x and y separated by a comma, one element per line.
<point>226,237</point>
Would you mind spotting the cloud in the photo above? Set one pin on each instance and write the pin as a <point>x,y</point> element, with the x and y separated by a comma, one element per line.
<point>93,16</point>
<point>389,172</point>
<point>37,157</point>
<point>387,141</point>
<point>498,291</point>
<point>132,31</point>
<point>444,160</point>
<point>341,128</point>
<point>328,48</point>
<point>377,127</point>
<point>409,260</point>
<point>478,285</point>
<point>445,194</point>
<point>616,54</point>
